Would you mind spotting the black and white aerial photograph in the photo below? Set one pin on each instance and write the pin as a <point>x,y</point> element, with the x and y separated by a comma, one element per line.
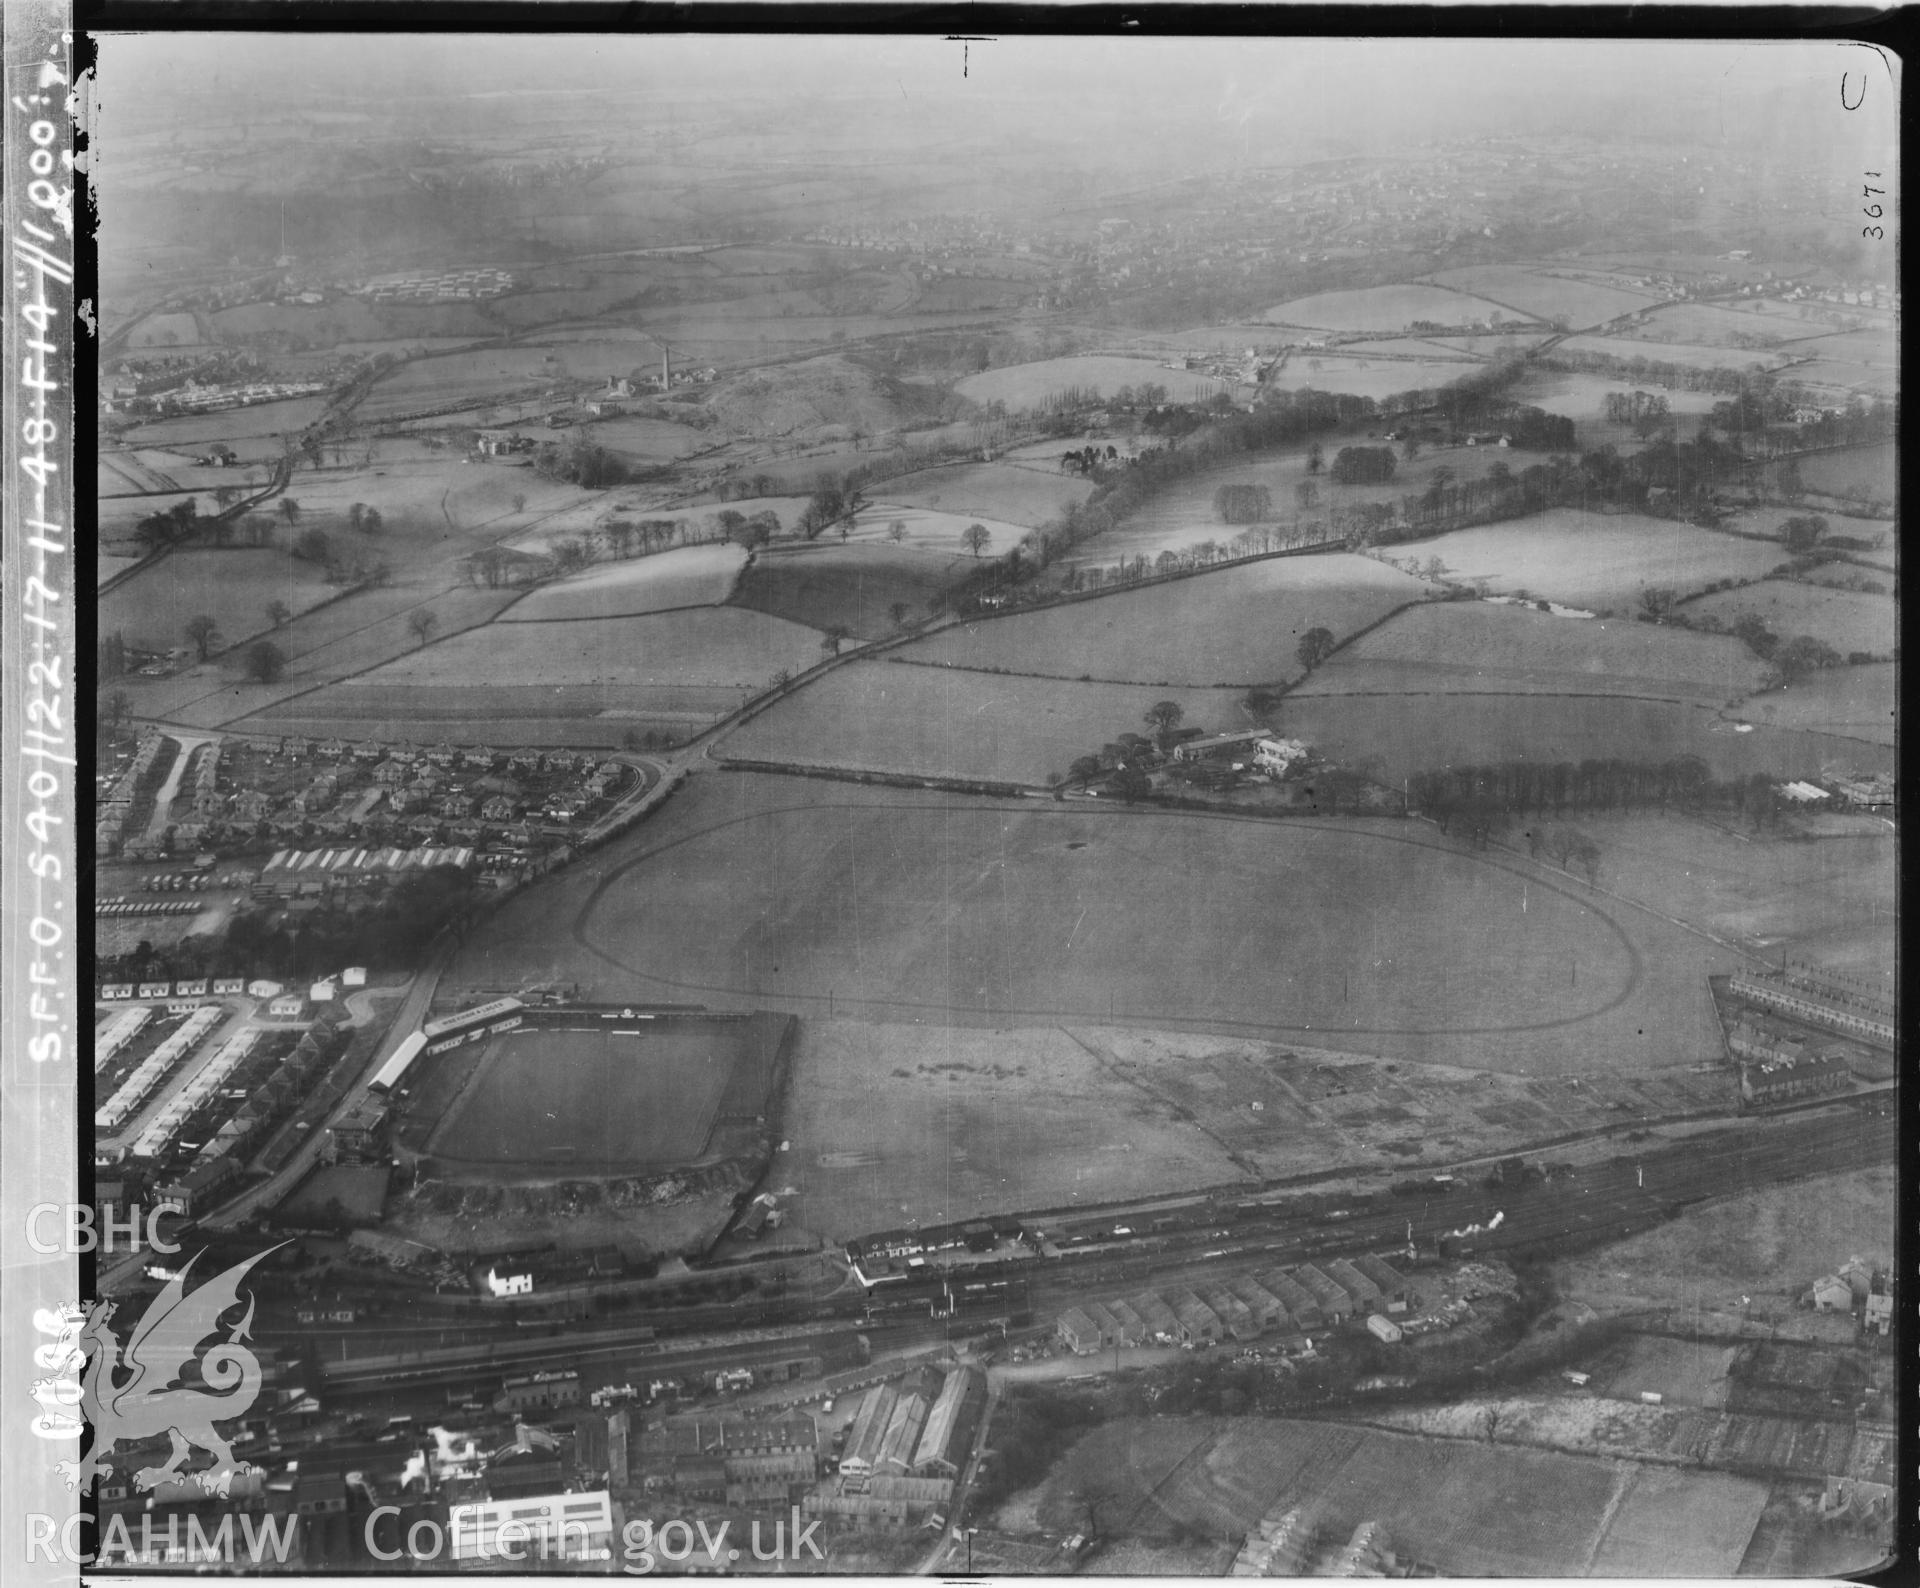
<point>1017,806</point>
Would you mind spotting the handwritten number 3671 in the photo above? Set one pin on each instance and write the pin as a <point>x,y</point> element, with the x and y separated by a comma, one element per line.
<point>1874,211</point>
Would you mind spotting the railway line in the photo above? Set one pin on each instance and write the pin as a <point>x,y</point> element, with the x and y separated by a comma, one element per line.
<point>1572,1209</point>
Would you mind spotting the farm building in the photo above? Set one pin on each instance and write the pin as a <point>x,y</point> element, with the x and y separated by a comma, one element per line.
<point>1396,1292</point>
<point>1221,744</point>
<point>1302,1308</point>
<point>1366,1294</point>
<point>1197,1321</point>
<point>868,1430</point>
<point>1277,756</point>
<point>947,1438</point>
<point>1831,1293</point>
<point>1269,1312</point>
<point>1332,1296</point>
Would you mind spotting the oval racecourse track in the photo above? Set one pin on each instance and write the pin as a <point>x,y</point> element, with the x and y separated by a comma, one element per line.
<point>772,893</point>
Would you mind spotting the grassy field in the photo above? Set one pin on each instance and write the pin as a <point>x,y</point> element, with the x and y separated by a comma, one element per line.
<point>648,440</point>
<point>593,1102</point>
<point>1768,1245</point>
<point>1597,561</point>
<point>359,1188</point>
<point>1582,398</point>
<point>1472,1510</point>
<point>1536,292</point>
<point>233,587</point>
<point>941,722</point>
<point>1382,308</point>
<point>1858,705</point>
<point>928,530</point>
<point>1685,1372</point>
<point>1874,469</point>
<point>688,577</point>
<point>1712,325</point>
<point>707,646</point>
<point>786,893</point>
<point>1689,355</point>
<point>1238,625</point>
<point>857,586</point>
<point>1028,385</point>
<point>231,425</point>
<point>1377,378</point>
<point>1399,735</point>
<point>1823,890</point>
<point>1472,646</point>
<point>926,1123</point>
<point>1848,620</point>
<point>1028,496</point>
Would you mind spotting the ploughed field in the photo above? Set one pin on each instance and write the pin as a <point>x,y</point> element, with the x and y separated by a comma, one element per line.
<point>796,894</point>
<point>869,589</point>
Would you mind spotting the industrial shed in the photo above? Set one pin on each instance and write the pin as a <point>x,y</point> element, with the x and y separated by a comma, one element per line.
<point>1366,1294</point>
<point>947,1438</point>
<point>1267,1308</point>
<point>1396,1290</point>
<point>1196,1320</point>
<point>1334,1301</point>
<point>1303,1311</point>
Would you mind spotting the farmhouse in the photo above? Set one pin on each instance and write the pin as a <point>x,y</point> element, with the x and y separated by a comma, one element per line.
<point>1277,756</point>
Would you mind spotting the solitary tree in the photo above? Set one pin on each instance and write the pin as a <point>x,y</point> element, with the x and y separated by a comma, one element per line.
<point>371,521</point>
<point>519,501</point>
<point>1803,533</point>
<point>897,531</point>
<point>278,612</point>
<point>1656,601</point>
<point>114,707</point>
<point>898,612</point>
<point>421,623</point>
<point>290,510</point>
<point>1316,458</point>
<point>975,538</point>
<point>1315,646</point>
<point>1307,494</point>
<point>1163,716</point>
<point>833,636</point>
<point>355,514</point>
<point>265,662</point>
<point>202,630</point>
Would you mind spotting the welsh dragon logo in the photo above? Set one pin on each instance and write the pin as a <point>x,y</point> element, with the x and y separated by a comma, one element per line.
<point>133,1392</point>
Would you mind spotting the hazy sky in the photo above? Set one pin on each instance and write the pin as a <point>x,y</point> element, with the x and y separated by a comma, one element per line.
<point>1767,98</point>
